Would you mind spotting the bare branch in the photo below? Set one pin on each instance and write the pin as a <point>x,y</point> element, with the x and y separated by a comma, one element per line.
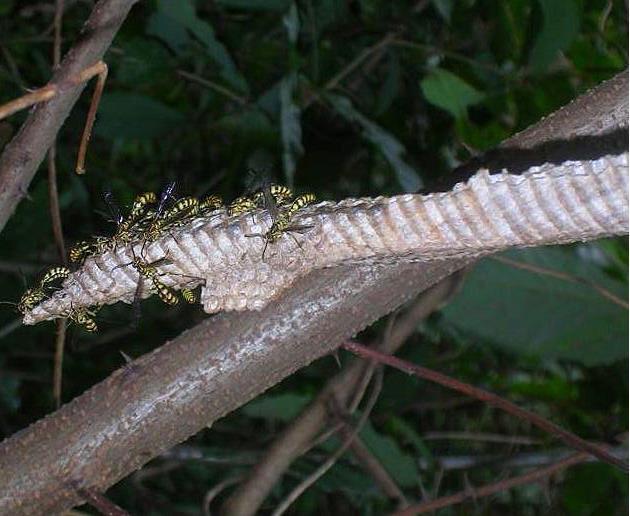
<point>490,398</point>
<point>497,487</point>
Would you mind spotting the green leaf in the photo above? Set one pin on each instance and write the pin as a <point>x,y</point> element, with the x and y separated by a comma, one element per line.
<point>531,314</point>
<point>133,116</point>
<point>169,31</point>
<point>249,124</point>
<point>256,5</point>
<point>283,407</point>
<point>400,465</point>
<point>561,23</point>
<point>400,427</point>
<point>144,61</point>
<point>385,142</point>
<point>346,479</point>
<point>449,92</point>
<point>183,12</point>
<point>481,137</point>
<point>290,126</point>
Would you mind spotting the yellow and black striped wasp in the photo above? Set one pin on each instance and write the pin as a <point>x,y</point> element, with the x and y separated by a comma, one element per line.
<point>156,222</point>
<point>35,295</point>
<point>149,271</point>
<point>124,233</point>
<point>282,223</point>
<point>83,317</point>
<point>240,205</point>
<point>210,203</point>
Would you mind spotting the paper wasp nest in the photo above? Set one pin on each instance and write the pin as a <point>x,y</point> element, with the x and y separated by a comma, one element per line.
<point>547,204</point>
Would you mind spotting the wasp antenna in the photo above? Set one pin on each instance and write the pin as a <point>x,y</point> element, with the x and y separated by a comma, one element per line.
<point>265,248</point>
<point>295,240</point>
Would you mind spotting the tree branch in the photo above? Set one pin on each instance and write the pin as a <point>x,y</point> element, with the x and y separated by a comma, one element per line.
<point>23,155</point>
<point>491,399</point>
<point>497,487</point>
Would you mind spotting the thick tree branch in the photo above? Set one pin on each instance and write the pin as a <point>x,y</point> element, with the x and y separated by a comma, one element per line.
<point>23,155</point>
<point>166,396</point>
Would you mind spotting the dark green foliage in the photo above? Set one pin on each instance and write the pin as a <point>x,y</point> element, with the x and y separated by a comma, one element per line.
<point>199,92</point>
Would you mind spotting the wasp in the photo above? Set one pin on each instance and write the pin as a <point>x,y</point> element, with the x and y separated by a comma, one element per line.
<point>124,229</point>
<point>187,206</point>
<point>83,317</point>
<point>270,194</point>
<point>300,202</point>
<point>189,296</point>
<point>282,223</point>
<point>30,299</point>
<point>241,205</point>
<point>273,197</point>
<point>149,271</point>
<point>33,296</point>
<point>53,274</point>
<point>123,235</point>
<point>154,222</point>
<point>140,203</point>
<point>210,203</point>
<point>81,250</point>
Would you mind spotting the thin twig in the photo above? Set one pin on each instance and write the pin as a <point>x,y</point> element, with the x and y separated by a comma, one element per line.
<point>503,462</point>
<point>53,201</point>
<point>60,344</point>
<point>375,469</point>
<point>50,90</point>
<point>427,374</point>
<point>497,487</point>
<point>452,55</point>
<point>57,32</point>
<point>359,390</point>
<point>100,502</point>
<point>317,474</point>
<point>213,86</point>
<point>350,67</point>
<point>55,218</point>
<point>91,116</point>
<point>604,292</point>
<point>28,100</point>
<point>482,437</point>
<point>211,494</point>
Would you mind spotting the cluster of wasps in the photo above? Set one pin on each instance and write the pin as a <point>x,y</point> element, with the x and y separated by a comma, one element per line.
<point>151,218</point>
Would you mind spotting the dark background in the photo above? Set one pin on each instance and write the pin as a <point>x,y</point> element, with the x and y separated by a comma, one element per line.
<point>343,99</point>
